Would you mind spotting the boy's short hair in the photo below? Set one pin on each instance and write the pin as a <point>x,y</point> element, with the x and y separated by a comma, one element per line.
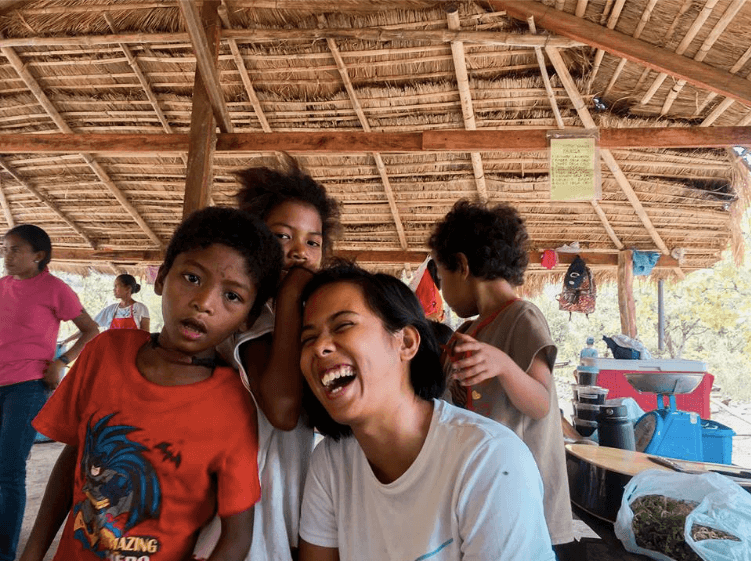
<point>494,240</point>
<point>240,231</point>
<point>264,189</point>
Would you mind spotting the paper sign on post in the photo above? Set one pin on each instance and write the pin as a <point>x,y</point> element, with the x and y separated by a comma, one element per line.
<point>574,169</point>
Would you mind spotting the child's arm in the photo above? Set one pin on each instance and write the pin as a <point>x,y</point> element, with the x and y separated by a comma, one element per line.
<point>58,498</point>
<point>310,552</point>
<point>88,330</point>
<point>528,391</point>
<point>273,362</point>
<point>235,537</point>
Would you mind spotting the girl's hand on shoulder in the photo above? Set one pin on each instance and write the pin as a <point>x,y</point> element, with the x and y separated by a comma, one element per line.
<point>474,362</point>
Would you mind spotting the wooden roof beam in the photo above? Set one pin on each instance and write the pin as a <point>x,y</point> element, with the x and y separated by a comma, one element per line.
<point>6,208</point>
<point>354,142</point>
<point>711,39</point>
<point>49,203</point>
<point>199,175</point>
<point>379,163</point>
<point>206,61</point>
<point>618,44</point>
<point>258,35</point>
<point>465,99</point>
<point>413,257</point>
<point>605,154</point>
<point>52,111</point>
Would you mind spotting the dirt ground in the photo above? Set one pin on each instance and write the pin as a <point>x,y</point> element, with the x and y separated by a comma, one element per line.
<point>735,416</point>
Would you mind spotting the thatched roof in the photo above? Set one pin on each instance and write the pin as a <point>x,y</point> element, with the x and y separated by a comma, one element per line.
<point>127,67</point>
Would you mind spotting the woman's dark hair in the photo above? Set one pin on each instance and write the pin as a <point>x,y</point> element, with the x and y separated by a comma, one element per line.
<point>238,230</point>
<point>494,240</point>
<point>129,281</point>
<point>397,307</point>
<point>442,332</point>
<point>264,189</point>
<point>36,238</point>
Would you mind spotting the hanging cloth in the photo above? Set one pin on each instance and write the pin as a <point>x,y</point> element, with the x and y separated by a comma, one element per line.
<point>644,262</point>
<point>549,258</point>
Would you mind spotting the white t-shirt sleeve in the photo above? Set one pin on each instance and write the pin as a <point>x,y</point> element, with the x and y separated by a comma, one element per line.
<point>104,318</point>
<point>140,311</point>
<point>500,506</point>
<point>318,523</point>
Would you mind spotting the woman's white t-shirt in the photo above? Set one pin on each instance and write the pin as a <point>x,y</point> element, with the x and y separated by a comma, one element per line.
<point>474,492</point>
<point>105,317</point>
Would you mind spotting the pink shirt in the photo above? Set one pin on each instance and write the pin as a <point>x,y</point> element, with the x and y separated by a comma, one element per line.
<point>30,314</point>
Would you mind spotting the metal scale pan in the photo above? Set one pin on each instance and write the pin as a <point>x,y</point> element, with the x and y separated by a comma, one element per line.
<point>666,431</point>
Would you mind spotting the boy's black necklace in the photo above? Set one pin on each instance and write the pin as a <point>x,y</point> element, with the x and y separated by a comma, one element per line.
<point>209,362</point>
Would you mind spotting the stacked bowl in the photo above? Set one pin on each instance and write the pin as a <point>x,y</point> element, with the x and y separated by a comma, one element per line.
<point>588,399</point>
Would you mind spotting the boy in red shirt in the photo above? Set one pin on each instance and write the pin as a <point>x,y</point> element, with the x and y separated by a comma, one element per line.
<point>159,435</point>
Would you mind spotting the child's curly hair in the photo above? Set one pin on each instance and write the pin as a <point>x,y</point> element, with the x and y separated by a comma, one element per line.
<point>494,240</point>
<point>264,189</point>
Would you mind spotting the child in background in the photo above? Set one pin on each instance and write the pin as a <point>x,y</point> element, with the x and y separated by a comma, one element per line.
<point>158,436</point>
<point>500,364</point>
<point>305,221</point>
<point>128,313</point>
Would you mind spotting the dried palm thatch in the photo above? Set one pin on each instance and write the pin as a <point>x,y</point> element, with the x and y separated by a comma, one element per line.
<point>125,67</point>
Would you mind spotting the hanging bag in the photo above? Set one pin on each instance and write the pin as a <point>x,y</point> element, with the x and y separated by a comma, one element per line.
<point>579,291</point>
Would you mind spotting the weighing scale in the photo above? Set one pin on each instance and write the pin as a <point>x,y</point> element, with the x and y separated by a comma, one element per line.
<point>666,431</point>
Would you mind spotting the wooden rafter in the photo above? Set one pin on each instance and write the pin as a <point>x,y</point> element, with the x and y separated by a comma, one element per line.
<point>144,81</point>
<point>46,201</point>
<point>258,35</point>
<point>605,154</point>
<point>54,114</point>
<point>581,8</point>
<point>206,63</point>
<point>352,142</point>
<point>646,14</point>
<point>6,208</point>
<point>714,34</point>
<point>618,44</point>
<point>244,76</point>
<point>546,78</point>
<point>379,163</point>
<point>725,104</point>
<point>465,99</point>
<point>681,48</point>
<point>615,14</point>
<point>413,257</point>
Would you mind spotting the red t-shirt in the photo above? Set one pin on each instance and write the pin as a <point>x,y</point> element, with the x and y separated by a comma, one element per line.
<point>154,462</point>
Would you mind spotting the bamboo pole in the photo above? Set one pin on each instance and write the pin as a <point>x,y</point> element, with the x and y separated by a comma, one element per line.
<point>465,98</point>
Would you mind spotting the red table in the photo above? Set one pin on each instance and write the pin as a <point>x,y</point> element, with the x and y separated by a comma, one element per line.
<point>612,376</point>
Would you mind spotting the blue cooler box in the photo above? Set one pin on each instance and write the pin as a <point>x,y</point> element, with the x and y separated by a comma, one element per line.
<point>717,442</point>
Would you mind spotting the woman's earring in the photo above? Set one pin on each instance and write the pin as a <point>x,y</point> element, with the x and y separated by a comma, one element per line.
<point>36,260</point>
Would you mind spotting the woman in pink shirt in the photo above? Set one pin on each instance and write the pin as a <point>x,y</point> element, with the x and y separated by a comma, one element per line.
<point>32,305</point>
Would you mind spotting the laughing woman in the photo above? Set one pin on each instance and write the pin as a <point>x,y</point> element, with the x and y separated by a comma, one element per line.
<point>402,474</point>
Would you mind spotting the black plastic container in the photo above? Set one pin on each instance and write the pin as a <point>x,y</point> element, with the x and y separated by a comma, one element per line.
<point>586,411</point>
<point>586,378</point>
<point>585,428</point>
<point>592,395</point>
<point>615,429</point>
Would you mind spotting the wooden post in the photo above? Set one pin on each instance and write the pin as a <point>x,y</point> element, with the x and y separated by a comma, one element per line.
<point>626,292</point>
<point>200,172</point>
